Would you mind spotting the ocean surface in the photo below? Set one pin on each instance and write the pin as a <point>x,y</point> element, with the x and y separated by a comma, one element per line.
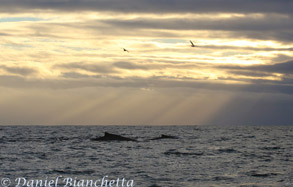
<point>202,156</point>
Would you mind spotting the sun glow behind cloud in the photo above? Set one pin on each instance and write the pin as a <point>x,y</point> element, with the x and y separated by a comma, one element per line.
<point>61,49</point>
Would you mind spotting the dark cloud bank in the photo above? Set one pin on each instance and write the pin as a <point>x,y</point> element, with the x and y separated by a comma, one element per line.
<point>277,24</point>
<point>71,79</point>
<point>159,6</point>
<point>262,70</point>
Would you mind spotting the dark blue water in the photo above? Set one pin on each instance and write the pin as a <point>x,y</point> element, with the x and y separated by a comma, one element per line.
<point>202,156</point>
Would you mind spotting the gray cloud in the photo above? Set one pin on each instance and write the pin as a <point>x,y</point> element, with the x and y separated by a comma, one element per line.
<point>250,73</point>
<point>149,66</point>
<point>76,75</point>
<point>159,6</point>
<point>4,34</point>
<point>260,72</point>
<point>280,57</point>
<point>269,27</point>
<point>282,35</point>
<point>24,71</point>
<point>158,66</point>
<point>270,22</point>
<point>87,67</point>
<point>284,68</point>
<point>152,82</point>
<point>131,66</point>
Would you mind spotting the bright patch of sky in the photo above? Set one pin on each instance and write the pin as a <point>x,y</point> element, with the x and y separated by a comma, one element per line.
<point>170,40</point>
<point>19,19</point>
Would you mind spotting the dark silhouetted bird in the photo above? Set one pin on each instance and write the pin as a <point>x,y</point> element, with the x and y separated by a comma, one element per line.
<point>192,44</point>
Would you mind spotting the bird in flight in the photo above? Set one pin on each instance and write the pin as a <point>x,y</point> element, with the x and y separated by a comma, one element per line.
<point>125,50</point>
<point>192,44</point>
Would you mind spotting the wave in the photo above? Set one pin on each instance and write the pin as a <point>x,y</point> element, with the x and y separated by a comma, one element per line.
<point>227,150</point>
<point>178,153</point>
<point>257,174</point>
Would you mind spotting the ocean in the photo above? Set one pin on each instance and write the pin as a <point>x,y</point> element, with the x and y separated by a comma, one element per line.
<point>204,156</point>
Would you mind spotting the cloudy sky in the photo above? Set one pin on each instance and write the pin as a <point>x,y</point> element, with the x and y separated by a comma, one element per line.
<point>62,62</point>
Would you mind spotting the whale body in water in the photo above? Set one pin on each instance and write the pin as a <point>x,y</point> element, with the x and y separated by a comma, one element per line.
<point>113,137</point>
<point>163,136</point>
